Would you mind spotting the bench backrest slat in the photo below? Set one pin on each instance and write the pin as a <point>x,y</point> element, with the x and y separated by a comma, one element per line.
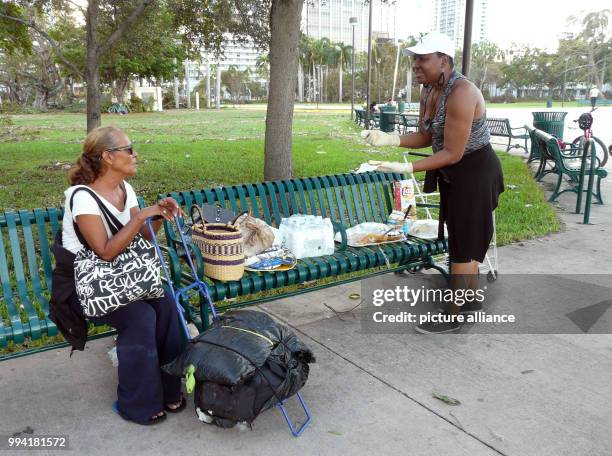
<point>19,271</point>
<point>16,330</point>
<point>498,127</point>
<point>349,199</point>
<point>30,252</point>
<point>44,245</point>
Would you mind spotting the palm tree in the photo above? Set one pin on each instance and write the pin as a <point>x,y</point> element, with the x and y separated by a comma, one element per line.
<point>343,53</point>
<point>308,60</point>
<point>262,65</point>
<point>321,51</point>
<point>304,65</point>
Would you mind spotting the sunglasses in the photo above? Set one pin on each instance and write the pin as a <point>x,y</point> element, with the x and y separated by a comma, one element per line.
<point>129,149</point>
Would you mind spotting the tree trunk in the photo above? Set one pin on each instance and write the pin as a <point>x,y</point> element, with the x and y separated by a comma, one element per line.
<point>300,84</point>
<point>596,79</point>
<point>93,73</point>
<point>340,85</point>
<point>285,16</point>
<point>120,86</point>
<point>218,86</point>
<point>207,83</point>
<point>314,82</point>
<point>484,78</point>
<point>42,97</point>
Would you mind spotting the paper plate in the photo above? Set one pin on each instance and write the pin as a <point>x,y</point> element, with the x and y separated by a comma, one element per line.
<point>282,267</point>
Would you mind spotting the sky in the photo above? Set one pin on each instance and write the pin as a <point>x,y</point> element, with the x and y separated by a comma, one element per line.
<point>535,22</point>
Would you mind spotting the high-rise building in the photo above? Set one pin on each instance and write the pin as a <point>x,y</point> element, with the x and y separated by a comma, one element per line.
<point>330,19</point>
<point>449,18</point>
<point>242,56</point>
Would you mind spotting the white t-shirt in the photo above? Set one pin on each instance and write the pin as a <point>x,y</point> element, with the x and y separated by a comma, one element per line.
<point>594,93</point>
<point>84,203</point>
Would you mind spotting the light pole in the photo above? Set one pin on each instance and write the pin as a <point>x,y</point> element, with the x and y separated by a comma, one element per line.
<point>564,82</point>
<point>467,38</point>
<point>399,45</point>
<point>369,67</point>
<point>409,82</point>
<point>353,22</point>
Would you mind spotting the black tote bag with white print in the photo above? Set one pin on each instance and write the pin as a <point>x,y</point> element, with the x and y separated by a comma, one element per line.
<point>104,286</point>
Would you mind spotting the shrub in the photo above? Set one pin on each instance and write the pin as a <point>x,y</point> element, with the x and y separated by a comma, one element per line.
<point>104,105</point>
<point>136,104</point>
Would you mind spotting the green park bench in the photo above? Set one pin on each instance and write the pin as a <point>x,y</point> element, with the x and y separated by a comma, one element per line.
<point>26,264</point>
<point>565,164</point>
<point>360,118</point>
<point>26,260</point>
<point>410,122</point>
<point>347,199</point>
<point>600,102</point>
<point>501,127</point>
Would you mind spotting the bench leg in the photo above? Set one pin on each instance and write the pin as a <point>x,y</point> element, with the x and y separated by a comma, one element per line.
<point>598,194</point>
<point>556,192</point>
<point>431,264</point>
<point>508,146</point>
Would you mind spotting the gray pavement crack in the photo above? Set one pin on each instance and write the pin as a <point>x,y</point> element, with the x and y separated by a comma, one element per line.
<point>453,423</point>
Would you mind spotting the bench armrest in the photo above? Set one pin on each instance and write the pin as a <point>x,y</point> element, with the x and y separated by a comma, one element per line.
<point>340,228</point>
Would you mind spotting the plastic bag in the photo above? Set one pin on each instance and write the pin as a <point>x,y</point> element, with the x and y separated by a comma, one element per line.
<point>256,234</point>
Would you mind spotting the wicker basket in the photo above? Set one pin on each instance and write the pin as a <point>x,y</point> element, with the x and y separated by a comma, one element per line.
<point>222,250</point>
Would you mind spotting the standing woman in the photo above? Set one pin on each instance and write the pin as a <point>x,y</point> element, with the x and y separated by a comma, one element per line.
<point>464,166</point>
<point>149,332</point>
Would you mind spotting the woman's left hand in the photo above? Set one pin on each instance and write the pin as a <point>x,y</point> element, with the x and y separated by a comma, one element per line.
<point>170,208</point>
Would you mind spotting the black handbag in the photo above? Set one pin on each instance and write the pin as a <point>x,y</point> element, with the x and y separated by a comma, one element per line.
<point>212,213</point>
<point>104,286</point>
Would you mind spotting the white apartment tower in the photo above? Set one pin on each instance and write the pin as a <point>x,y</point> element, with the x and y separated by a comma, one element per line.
<point>330,19</point>
<point>449,18</point>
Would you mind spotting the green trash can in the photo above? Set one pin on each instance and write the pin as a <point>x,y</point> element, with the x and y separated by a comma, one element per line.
<point>387,121</point>
<point>387,108</point>
<point>549,103</point>
<point>552,122</point>
<point>401,106</point>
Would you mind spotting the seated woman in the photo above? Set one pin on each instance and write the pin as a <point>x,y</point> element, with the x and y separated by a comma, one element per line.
<point>149,330</point>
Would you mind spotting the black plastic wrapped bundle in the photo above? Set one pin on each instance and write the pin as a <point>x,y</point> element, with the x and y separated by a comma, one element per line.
<point>244,363</point>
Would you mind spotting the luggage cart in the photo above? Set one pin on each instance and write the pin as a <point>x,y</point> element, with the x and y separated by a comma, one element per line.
<point>200,287</point>
<point>490,264</point>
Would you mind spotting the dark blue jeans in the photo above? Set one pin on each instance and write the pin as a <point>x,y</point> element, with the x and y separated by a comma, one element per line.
<point>149,335</point>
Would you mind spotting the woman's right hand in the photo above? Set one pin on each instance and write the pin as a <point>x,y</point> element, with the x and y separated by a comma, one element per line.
<point>167,208</point>
<point>156,210</point>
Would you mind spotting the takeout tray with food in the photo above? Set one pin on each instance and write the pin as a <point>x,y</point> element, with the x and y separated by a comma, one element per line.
<point>425,229</point>
<point>370,233</point>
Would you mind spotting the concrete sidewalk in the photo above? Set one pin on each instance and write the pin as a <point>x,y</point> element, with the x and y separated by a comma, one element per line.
<point>371,394</point>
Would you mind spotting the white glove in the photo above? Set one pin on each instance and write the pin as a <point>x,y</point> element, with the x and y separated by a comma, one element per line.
<point>392,167</point>
<point>379,138</point>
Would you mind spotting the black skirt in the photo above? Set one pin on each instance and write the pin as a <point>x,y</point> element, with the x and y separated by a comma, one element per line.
<point>469,193</point>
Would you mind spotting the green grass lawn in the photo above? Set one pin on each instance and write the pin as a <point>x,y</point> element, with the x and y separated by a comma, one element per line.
<point>181,150</point>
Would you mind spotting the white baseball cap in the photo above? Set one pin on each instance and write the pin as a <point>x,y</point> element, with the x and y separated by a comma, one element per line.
<point>432,42</point>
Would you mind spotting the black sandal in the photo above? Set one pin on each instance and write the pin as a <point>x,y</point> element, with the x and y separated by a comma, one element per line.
<point>153,420</point>
<point>177,409</point>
